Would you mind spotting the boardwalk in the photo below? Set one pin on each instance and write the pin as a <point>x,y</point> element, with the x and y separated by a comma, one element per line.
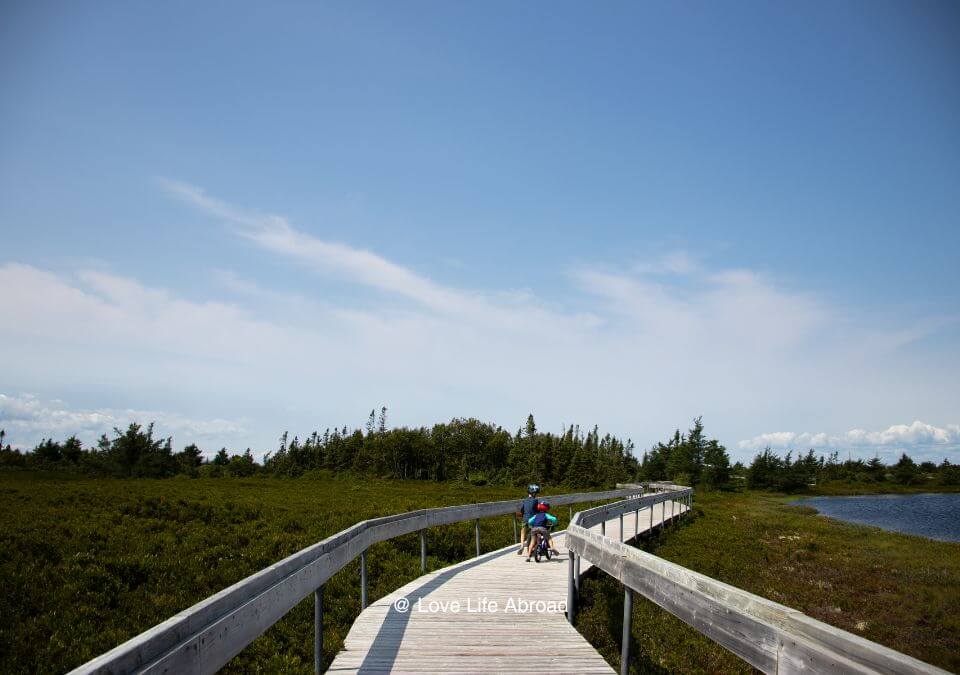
<point>452,625</point>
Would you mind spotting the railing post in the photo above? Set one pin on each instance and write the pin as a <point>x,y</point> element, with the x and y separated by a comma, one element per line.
<point>569,513</point>
<point>423,551</point>
<point>363,580</point>
<point>516,534</point>
<point>603,524</point>
<point>621,528</point>
<point>576,574</point>
<point>476,529</point>
<point>627,625</point>
<point>651,519</point>
<point>571,587</point>
<point>318,629</point>
<point>636,523</point>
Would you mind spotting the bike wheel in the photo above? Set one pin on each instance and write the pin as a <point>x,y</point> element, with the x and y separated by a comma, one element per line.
<point>536,556</point>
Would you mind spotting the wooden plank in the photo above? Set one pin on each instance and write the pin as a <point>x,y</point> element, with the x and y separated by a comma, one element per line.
<point>200,637</point>
<point>384,641</point>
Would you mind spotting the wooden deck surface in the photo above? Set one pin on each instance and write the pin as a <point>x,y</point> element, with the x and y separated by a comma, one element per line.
<point>451,625</point>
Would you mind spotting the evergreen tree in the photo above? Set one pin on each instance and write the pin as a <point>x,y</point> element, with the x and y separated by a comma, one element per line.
<point>905,471</point>
<point>716,466</point>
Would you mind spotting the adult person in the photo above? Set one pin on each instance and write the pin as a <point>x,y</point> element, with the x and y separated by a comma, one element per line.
<point>528,509</point>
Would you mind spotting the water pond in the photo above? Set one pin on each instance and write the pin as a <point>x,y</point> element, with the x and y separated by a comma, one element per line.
<point>936,516</point>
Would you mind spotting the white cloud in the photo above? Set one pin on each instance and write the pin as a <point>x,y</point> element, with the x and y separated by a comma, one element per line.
<point>28,419</point>
<point>918,435</point>
<point>274,233</point>
<point>650,351</point>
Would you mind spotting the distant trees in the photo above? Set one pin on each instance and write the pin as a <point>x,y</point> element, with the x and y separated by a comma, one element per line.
<point>769,471</point>
<point>462,449</point>
<point>688,459</point>
<point>132,452</point>
<point>906,471</point>
<point>477,452</point>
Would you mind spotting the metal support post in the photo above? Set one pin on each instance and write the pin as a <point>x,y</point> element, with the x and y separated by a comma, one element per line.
<point>627,624</point>
<point>363,580</point>
<point>317,629</point>
<point>476,529</point>
<point>571,590</point>
<point>423,551</point>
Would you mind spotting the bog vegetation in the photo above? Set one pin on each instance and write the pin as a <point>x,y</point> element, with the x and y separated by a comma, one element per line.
<point>87,563</point>
<point>99,543</point>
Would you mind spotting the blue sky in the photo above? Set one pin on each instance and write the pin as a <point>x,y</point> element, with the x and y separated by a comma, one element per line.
<point>243,219</point>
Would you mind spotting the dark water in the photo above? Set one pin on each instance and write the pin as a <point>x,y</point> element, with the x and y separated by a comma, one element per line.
<point>936,516</point>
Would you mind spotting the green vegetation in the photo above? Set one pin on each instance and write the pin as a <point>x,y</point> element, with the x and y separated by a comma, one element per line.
<point>462,449</point>
<point>87,563</point>
<point>95,549</point>
<point>899,590</point>
<point>771,472</point>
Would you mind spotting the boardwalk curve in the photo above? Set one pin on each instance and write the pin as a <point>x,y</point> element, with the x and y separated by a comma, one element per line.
<point>495,613</point>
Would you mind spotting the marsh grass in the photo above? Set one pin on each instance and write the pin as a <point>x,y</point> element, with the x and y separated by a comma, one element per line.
<point>86,564</point>
<point>899,590</point>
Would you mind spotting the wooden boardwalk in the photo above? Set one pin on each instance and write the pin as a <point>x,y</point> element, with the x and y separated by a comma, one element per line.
<point>495,613</point>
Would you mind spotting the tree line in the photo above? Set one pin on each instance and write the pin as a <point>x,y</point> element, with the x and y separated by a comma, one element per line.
<point>462,449</point>
<point>769,471</point>
<point>469,450</point>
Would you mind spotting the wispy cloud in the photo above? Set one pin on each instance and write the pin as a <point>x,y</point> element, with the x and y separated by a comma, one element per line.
<point>653,348</point>
<point>678,262</point>
<point>273,233</point>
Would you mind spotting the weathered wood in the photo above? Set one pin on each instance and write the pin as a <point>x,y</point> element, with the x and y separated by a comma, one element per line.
<point>769,636</point>
<point>203,637</point>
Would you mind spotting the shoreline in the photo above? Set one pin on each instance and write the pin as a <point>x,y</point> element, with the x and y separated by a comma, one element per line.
<point>897,525</point>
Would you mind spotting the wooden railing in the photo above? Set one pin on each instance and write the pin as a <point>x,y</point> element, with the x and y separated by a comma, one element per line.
<point>770,637</point>
<point>206,636</point>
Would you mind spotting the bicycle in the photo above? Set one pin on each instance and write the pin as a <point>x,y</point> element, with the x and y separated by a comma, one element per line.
<point>542,549</point>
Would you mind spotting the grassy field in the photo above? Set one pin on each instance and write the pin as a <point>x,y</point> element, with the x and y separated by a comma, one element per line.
<point>898,590</point>
<point>87,563</point>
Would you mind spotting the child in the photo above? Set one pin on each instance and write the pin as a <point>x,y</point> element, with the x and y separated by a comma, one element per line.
<point>541,524</point>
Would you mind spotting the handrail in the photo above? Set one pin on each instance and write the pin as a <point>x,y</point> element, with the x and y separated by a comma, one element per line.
<point>204,637</point>
<point>769,636</point>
